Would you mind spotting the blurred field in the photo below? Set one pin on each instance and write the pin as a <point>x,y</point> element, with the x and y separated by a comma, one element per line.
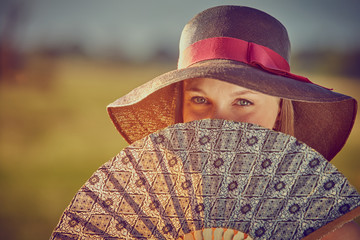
<point>55,132</point>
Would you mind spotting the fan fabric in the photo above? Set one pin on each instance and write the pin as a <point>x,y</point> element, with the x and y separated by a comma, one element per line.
<point>208,177</point>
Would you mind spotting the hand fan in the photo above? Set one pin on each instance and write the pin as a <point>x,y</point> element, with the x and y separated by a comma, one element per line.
<point>211,179</point>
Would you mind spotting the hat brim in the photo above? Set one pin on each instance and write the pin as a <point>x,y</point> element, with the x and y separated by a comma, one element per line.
<point>242,75</point>
<point>323,118</point>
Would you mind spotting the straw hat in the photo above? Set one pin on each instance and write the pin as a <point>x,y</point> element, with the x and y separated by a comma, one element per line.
<point>249,48</point>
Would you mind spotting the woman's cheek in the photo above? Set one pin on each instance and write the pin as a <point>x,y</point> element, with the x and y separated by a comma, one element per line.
<point>263,119</point>
<point>191,113</point>
<point>242,114</point>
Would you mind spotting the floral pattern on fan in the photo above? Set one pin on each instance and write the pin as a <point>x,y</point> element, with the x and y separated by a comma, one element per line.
<point>209,174</point>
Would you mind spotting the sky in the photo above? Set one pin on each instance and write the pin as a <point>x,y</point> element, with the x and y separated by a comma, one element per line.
<point>138,27</point>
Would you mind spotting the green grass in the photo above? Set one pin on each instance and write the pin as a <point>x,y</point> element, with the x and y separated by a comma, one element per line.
<point>53,138</point>
<point>55,132</point>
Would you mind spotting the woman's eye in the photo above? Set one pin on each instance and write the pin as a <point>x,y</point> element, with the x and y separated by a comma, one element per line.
<point>199,100</point>
<point>243,102</point>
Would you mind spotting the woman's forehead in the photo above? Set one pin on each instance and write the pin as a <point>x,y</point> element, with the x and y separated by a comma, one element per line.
<point>203,84</point>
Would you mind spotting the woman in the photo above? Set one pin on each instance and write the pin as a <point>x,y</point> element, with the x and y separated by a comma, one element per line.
<point>210,98</point>
<point>233,65</point>
<point>248,48</point>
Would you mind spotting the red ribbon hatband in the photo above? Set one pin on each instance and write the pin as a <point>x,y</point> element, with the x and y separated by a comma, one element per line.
<point>239,50</point>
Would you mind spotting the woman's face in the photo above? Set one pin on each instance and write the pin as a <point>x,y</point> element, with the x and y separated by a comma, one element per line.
<point>210,98</point>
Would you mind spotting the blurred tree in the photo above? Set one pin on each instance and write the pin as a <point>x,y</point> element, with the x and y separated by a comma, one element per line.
<point>351,64</point>
<point>10,58</point>
<point>329,61</point>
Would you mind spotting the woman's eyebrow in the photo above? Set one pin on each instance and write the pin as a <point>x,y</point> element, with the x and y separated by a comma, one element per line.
<point>243,92</point>
<point>194,89</point>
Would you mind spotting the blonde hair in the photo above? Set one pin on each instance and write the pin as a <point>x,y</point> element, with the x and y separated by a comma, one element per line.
<point>285,121</point>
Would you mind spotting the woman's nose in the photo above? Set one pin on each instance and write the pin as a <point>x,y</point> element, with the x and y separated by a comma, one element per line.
<point>221,113</point>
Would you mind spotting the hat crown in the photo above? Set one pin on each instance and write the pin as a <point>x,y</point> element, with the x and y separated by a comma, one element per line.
<point>244,23</point>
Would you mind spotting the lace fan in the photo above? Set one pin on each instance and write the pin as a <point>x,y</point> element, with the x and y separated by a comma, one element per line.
<point>211,179</point>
